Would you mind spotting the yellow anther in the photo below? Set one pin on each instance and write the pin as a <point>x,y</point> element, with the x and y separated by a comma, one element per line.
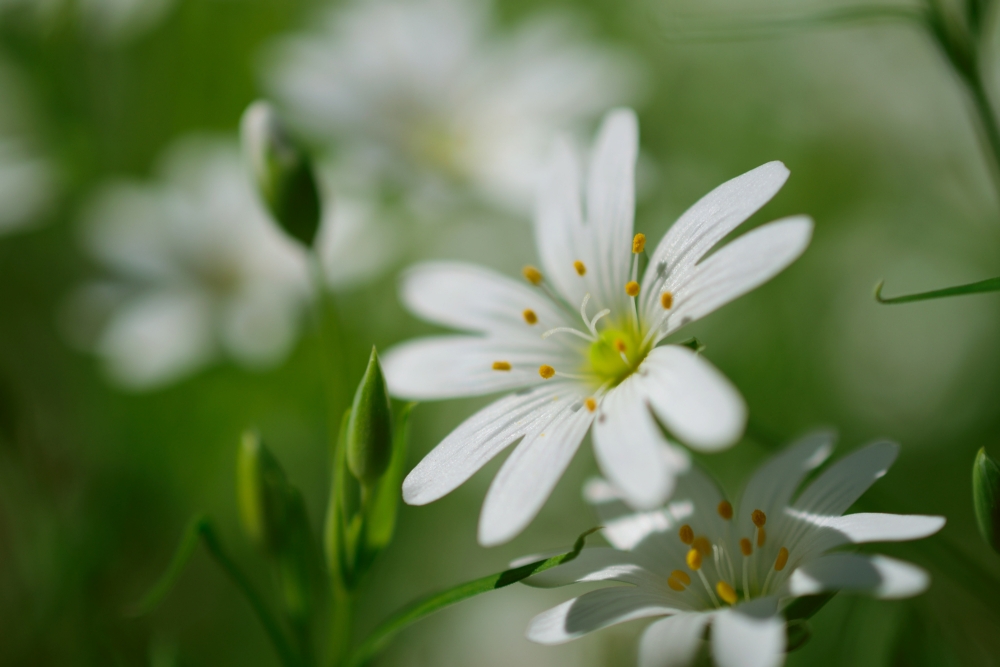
<point>745,547</point>
<point>638,243</point>
<point>782,560</point>
<point>681,576</point>
<point>758,518</point>
<point>501,365</point>
<point>529,316</point>
<point>546,371</point>
<point>532,275</point>
<point>591,404</point>
<point>632,288</point>
<point>580,267</point>
<point>667,300</point>
<point>694,560</point>
<point>761,537</point>
<point>725,510</point>
<point>687,534</point>
<point>703,545</point>
<point>726,592</point>
<point>619,345</point>
<point>676,585</point>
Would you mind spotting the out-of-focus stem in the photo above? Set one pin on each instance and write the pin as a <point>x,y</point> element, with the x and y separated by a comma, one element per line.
<point>331,347</point>
<point>341,623</point>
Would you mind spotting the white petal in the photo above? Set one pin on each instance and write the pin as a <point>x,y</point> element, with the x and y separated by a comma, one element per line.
<point>611,205</point>
<point>773,483</point>
<point>353,243</point>
<point>673,641</point>
<point>832,532</point>
<point>597,564</point>
<point>841,484</point>
<point>527,478</point>
<point>259,325</point>
<point>477,440</point>
<point>593,611</point>
<point>741,266</point>
<point>881,576</point>
<point>709,221</point>
<point>749,635</point>
<point>693,399</point>
<point>471,298</point>
<point>158,338</point>
<point>627,443</point>
<point>456,366</point>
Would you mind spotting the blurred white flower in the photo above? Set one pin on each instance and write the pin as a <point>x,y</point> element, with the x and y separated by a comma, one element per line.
<point>103,20</point>
<point>420,91</point>
<point>704,561</point>
<point>204,269</point>
<point>27,179</point>
<point>581,343</point>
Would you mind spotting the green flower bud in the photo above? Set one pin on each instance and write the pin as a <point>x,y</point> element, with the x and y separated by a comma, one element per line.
<point>282,172</point>
<point>986,497</point>
<point>261,490</point>
<point>369,431</point>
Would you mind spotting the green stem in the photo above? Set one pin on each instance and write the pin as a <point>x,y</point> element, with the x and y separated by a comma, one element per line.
<point>330,343</point>
<point>341,624</point>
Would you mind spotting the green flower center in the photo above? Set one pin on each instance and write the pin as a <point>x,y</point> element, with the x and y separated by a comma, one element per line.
<point>616,354</point>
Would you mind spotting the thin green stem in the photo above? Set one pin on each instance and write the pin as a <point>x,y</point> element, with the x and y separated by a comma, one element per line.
<point>341,624</point>
<point>330,343</point>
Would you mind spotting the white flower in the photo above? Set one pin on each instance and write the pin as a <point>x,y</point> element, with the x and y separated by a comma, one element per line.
<point>206,269</point>
<point>420,88</point>
<point>582,344</point>
<point>705,562</point>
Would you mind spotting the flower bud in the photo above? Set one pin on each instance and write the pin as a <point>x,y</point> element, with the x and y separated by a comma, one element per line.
<point>369,431</point>
<point>260,485</point>
<point>986,497</point>
<point>282,173</point>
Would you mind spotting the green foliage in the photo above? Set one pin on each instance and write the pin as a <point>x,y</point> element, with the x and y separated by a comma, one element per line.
<point>369,429</point>
<point>990,285</point>
<point>986,497</point>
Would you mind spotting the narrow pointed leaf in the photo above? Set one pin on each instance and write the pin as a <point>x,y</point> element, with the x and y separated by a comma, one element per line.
<point>986,497</point>
<point>990,285</point>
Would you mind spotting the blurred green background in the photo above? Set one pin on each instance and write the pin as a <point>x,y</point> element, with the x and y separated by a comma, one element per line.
<point>97,483</point>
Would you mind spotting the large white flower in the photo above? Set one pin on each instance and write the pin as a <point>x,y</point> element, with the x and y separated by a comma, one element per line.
<point>204,268</point>
<point>704,562</point>
<point>420,90</point>
<point>581,343</point>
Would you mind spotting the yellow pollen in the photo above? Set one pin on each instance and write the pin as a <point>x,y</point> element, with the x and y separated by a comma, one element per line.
<point>546,371</point>
<point>745,547</point>
<point>758,518</point>
<point>632,288</point>
<point>703,546</point>
<point>532,275</point>
<point>529,316</point>
<point>782,560</point>
<point>501,365</point>
<point>619,345</point>
<point>676,585</point>
<point>687,535</point>
<point>638,243</point>
<point>591,404</point>
<point>725,510</point>
<point>580,267</point>
<point>761,537</point>
<point>694,560</point>
<point>667,300</point>
<point>681,576</point>
<point>726,592</point>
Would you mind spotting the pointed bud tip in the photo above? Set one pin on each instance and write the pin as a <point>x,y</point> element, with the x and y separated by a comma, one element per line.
<point>369,430</point>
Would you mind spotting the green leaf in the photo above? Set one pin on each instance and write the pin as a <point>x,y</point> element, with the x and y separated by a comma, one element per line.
<point>806,607</point>
<point>797,633</point>
<point>381,636</point>
<point>986,497</point>
<point>188,543</point>
<point>990,285</point>
<point>369,430</point>
<point>381,515</point>
<point>694,344</point>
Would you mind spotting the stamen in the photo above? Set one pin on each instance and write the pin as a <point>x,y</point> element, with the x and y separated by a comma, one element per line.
<point>529,316</point>
<point>606,311</point>
<point>676,585</point>
<point>758,518</point>
<point>632,288</point>
<point>708,588</point>
<point>569,330</point>
<point>681,576</point>
<point>686,534</point>
<point>667,300</point>
<point>546,371</point>
<point>761,537</point>
<point>638,243</point>
<point>725,510</point>
<point>746,569</point>
<point>726,592</point>
<point>591,404</point>
<point>702,545</point>
<point>745,547</point>
<point>694,559</point>
<point>619,345</point>
<point>532,275</point>
<point>580,267</point>
<point>782,560</point>
<point>501,365</point>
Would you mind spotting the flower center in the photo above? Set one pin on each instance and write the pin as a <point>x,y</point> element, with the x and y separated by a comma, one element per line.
<point>615,355</point>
